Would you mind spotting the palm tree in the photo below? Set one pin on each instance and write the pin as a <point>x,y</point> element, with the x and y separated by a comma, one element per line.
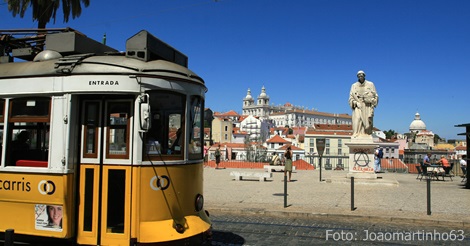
<point>44,10</point>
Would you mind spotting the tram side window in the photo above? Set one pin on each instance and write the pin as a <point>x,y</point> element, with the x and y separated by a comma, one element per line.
<point>2,117</point>
<point>166,135</point>
<point>28,132</point>
<point>195,141</point>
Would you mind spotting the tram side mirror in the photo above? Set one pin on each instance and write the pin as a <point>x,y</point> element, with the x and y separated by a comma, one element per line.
<point>145,121</point>
<point>145,117</point>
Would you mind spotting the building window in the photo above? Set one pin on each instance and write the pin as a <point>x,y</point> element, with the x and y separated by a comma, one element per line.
<point>327,142</point>
<point>340,143</point>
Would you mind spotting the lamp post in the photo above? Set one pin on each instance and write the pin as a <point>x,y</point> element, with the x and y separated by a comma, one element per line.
<point>320,142</point>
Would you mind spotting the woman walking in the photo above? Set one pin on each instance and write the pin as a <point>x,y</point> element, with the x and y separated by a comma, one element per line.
<point>288,165</point>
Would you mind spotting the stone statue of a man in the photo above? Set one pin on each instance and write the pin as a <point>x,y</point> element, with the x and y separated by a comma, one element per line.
<point>363,98</point>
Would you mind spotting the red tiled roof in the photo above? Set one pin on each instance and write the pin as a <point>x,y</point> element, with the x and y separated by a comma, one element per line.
<point>299,130</point>
<point>302,165</point>
<point>461,147</point>
<point>275,129</point>
<point>277,139</point>
<point>231,113</point>
<point>228,145</point>
<point>330,129</point>
<point>284,147</point>
<point>425,132</point>
<point>242,117</point>
<point>329,133</point>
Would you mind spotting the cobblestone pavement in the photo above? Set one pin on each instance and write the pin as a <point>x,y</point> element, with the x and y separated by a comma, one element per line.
<point>392,197</point>
<point>245,229</point>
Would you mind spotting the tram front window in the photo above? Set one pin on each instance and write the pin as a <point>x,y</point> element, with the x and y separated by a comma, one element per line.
<point>166,137</point>
<point>28,132</point>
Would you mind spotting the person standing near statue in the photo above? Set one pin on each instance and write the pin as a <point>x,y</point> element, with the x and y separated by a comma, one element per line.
<point>217,157</point>
<point>288,163</point>
<point>363,99</point>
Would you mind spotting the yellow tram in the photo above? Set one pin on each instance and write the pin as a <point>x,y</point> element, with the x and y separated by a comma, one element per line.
<point>100,147</point>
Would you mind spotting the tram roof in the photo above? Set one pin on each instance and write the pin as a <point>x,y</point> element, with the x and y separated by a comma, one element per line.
<point>69,52</point>
<point>91,64</point>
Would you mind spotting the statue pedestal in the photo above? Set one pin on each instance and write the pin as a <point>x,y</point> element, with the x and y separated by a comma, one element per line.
<point>361,158</point>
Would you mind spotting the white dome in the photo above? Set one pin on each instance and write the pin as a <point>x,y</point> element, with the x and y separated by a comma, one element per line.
<point>263,93</point>
<point>417,124</point>
<point>248,95</point>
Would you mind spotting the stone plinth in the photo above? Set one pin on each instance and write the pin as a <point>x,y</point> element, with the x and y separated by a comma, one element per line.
<point>361,158</point>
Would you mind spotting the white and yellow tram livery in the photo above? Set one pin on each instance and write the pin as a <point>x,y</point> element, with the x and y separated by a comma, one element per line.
<point>100,147</point>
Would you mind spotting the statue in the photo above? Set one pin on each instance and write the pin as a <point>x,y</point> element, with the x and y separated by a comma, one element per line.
<point>363,99</point>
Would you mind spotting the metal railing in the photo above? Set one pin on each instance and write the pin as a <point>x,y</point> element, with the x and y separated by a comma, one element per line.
<point>328,163</point>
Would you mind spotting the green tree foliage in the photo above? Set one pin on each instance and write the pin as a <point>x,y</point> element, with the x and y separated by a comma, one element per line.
<point>44,10</point>
<point>389,134</point>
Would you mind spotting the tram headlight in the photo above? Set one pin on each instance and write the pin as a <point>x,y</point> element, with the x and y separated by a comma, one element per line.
<point>199,203</point>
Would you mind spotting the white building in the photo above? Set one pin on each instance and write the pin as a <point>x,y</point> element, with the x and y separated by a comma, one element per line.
<point>287,114</point>
<point>420,135</point>
<point>256,129</point>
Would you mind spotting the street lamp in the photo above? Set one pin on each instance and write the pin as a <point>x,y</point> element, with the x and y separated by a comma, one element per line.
<point>320,142</point>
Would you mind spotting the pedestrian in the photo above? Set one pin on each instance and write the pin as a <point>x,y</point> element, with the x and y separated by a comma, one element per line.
<point>463,164</point>
<point>426,162</point>
<point>378,155</point>
<point>445,165</point>
<point>275,160</point>
<point>288,165</point>
<point>217,157</point>
<point>443,161</point>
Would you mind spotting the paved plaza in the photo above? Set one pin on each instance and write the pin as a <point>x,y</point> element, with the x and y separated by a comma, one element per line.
<point>396,197</point>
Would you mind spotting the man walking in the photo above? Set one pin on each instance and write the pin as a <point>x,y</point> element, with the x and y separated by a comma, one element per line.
<point>378,155</point>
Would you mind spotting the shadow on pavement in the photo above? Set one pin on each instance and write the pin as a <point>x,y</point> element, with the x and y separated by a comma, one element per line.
<point>225,238</point>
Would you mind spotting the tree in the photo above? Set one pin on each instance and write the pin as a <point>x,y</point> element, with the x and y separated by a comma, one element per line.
<point>389,134</point>
<point>44,10</point>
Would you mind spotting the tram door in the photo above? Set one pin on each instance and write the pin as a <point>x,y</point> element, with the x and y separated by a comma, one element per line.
<point>105,173</point>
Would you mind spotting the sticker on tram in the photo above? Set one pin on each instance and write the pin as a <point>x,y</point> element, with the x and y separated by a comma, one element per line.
<point>159,183</point>
<point>46,187</point>
<point>48,217</point>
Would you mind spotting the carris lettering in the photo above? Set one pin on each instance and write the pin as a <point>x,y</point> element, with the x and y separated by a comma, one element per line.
<point>15,185</point>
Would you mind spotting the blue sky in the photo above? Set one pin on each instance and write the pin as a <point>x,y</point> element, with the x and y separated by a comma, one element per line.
<point>307,52</point>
